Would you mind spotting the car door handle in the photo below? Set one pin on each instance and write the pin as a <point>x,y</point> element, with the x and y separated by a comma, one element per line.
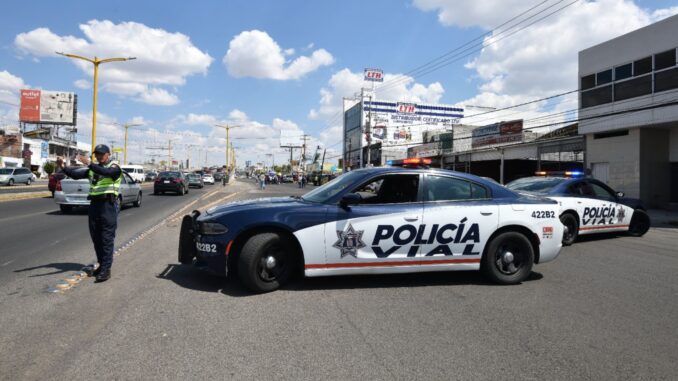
<point>411,218</point>
<point>486,213</point>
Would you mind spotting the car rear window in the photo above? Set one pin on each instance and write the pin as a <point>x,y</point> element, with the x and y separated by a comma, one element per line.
<point>169,174</point>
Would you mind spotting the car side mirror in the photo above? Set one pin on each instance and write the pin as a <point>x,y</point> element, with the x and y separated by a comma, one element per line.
<point>620,194</point>
<point>350,199</point>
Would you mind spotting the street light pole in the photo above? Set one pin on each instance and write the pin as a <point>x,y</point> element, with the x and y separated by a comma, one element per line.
<point>126,126</point>
<point>228,128</point>
<point>96,62</point>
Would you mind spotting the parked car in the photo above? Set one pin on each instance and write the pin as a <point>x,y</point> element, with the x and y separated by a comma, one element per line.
<point>136,172</point>
<point>170,181</point>
<point>151,175</point>
<point>194,180</point>
<point>287,179</point>
<point>208,179</point>
<point>71,193</point>
<point>11,176</point>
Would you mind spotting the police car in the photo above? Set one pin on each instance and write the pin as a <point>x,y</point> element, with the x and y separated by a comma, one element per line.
<point>587,205</point>
<point>398,219</point>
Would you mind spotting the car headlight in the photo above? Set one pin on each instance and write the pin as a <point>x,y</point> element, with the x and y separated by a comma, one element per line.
<point>212,228</point>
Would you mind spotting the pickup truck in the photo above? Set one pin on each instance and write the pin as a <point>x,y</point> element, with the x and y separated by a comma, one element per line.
<point>71,193</point>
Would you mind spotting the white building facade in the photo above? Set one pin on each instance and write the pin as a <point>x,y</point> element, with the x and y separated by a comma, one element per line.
<point>628,110</point>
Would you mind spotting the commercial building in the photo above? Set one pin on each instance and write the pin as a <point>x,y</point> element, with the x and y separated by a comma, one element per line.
<point>628,110</point>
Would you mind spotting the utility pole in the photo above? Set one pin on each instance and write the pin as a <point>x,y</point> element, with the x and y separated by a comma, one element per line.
<point>303,148</point>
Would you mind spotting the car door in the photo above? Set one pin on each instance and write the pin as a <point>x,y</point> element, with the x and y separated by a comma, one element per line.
<point>380,228</point>
<point>132,189</point>
<point>606,213</point>
<point>459,217</point>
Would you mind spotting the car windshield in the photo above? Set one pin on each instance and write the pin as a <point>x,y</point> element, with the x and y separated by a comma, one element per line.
<point>5,171</point>
<point>535,184</point>
<point>170,174</point>
<point>331,189</point>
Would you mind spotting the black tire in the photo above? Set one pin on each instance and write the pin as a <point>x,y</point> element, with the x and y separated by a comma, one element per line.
<point>514,270</point>
<point>570,221</point>
<point>640,223</point>
<point>186,243</point>
<point>119,203</point>
<point>252,268</point>
<point>10,182</point>
<point>137,203</point>
<point>28,182</point>
<point>181,191</point>
<point>65,209</point>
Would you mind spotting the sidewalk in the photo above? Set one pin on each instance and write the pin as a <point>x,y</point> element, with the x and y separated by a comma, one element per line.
<point>663,218</point>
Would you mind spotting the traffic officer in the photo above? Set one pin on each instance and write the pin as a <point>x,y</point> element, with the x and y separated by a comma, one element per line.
<point>104,177</point>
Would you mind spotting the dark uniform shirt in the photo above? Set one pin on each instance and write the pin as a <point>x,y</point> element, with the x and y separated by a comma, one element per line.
<point>114,172</point>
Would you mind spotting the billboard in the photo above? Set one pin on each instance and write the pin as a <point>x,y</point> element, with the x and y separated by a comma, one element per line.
<point>498,133</point>
<point>374,75</point>
<point>50,107</point>
<point>291,138</point>
<point>399,123</point>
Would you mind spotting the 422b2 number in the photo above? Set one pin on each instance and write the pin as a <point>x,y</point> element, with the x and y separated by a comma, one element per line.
<point>543,214</point>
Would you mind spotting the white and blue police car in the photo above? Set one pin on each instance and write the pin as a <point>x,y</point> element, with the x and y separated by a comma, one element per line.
<point>587,205</point>
<point>398,219</point>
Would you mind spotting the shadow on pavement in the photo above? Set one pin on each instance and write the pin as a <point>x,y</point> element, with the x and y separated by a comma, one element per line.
<point>59,268</point>
<point>195,279</point>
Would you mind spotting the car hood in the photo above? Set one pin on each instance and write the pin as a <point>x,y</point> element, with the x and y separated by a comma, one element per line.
<point>259,203</point>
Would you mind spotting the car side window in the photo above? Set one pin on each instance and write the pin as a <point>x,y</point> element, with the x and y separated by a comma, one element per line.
<point>576,189</point>
<point>390,189</point>
<point>442,188</point>
<point>601,192</point>
<point>129,179</point>
<point>124,177</point>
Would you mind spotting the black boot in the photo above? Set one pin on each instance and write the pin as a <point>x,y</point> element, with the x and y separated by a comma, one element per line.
<point>103,276</point>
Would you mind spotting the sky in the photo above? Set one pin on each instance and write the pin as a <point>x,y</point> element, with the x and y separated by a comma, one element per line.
<point>272,65</point>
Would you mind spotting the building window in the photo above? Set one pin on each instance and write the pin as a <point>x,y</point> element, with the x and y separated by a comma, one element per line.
<point>666,80</point>
<point>611,134</point>
<point>665,59</point>
<point>642,66</point>
<point>604,77</point>
<point>623,72</point>
<point>588,82</point>
<point>596,97</point>
<point>633,88</point>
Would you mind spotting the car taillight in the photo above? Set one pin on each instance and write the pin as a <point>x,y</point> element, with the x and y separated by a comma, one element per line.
<point>58,186</point>
<point>157,179</point>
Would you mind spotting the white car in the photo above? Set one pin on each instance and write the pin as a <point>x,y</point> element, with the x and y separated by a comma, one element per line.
<point>208,179</point>
<point>587,205</point>
<point>377,221</point>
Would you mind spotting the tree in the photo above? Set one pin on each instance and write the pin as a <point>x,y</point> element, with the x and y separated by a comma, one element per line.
<point>49,167</point>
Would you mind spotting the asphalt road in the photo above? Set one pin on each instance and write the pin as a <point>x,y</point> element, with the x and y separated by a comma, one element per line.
<point>605,309</point>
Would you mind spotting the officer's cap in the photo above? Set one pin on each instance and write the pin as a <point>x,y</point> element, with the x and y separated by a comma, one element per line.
<point>102,148</point>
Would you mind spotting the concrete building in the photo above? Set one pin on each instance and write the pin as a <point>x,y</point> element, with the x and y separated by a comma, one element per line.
<point>628,109</point>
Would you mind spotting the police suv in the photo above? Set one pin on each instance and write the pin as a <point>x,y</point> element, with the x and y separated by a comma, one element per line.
<point>586,205</point>
<point>399,219</point>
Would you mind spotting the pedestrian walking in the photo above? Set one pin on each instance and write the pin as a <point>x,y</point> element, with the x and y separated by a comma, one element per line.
<point>104,184</point>
<point>262,181</point>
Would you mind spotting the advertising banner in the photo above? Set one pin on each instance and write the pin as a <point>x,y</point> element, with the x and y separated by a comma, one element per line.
<point>374,75</point>
<point>498,133</point>
<point>44,150</point>
<point>50,107</point>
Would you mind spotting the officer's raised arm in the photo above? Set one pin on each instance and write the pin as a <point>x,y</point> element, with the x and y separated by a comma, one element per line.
<point>113,171</point>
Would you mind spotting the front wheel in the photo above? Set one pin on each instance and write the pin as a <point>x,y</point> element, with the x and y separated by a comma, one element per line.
<point>640,223</point>
<point>266,262</point>
<point>28,182</point>
<point>10,182</point>
<point>570,222</point>
<point>508,259</point>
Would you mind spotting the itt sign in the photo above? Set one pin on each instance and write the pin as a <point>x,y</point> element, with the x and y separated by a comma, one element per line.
<point>374,75</point>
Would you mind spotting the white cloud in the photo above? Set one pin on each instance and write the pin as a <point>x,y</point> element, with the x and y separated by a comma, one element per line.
<point>163,58</point>
<point>83,84</point>
<point>255,54</point>
<point>346,83</point>
<point>542,59</point>
<point>10,86</point>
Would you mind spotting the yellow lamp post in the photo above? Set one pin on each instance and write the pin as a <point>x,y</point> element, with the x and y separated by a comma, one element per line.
<point>228,128</point>
<point>126,126</point>
<point>96,62</point>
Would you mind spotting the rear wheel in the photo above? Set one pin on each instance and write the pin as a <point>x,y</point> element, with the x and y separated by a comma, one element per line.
<point>640,223</point>
<point>10,182</point>
<point>509,258</point>
<point>137,203</point>
<point>266,262</point>
<point>570,222</point>
<point>65,209</point>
